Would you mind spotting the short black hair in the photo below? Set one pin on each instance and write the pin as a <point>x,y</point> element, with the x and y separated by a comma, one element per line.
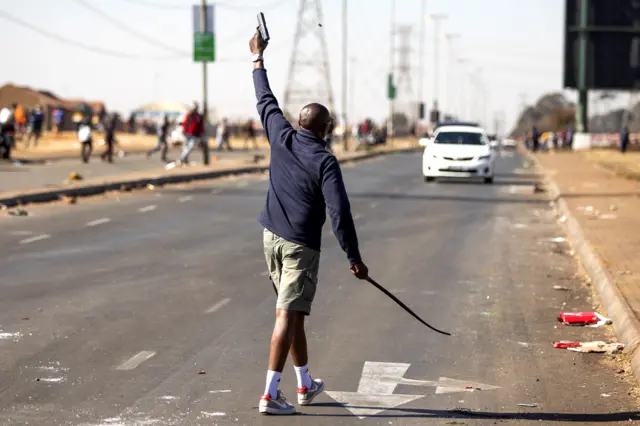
<point>315,118</point>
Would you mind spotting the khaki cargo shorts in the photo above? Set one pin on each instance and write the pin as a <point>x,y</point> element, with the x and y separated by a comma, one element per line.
<point>294,272</point>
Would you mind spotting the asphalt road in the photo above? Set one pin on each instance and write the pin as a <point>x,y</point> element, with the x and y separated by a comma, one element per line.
<point>53,173</point>
<point>111,308</point>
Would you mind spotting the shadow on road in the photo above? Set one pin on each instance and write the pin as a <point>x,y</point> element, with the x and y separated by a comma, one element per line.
<point>468,414</point>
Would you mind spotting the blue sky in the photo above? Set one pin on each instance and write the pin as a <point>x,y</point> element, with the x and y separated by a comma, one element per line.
<point>517,45</point>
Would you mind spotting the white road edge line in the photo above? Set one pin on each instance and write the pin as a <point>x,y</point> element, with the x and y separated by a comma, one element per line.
<point>185,199</point>
<point>34,239</point>
<point>150,208</point>
<point>135,360</point>
<point>217,306</point>
<point>100,221</point>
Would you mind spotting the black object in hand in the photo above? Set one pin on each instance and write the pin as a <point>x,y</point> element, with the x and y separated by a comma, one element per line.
<point>262,27</point>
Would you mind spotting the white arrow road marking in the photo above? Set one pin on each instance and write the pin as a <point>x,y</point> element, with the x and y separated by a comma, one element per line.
<point>380,379</point>
<point>363,405</point>
<point>36,238</point>
<point>99,221</point>
<point>150,208</point>
<point>135,360</point>
<point>446,385</point>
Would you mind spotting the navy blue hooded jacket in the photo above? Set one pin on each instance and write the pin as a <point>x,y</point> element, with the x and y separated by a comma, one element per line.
<point>305,181</point>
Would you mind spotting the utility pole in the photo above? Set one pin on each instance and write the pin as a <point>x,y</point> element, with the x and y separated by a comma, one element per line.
<point>308,42</point>
<point>423,12</point>
<point>352,87</point>
<point>436,18</point>
<point>205,107</point>
<point>390,129</point>
<point>345,134</point>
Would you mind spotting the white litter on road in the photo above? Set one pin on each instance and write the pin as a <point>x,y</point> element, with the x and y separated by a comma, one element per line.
<point>135,360</point>
<point>220,391</point>
<point>99,221</point>
<point>36,238</point>
<point>185,199</point>
<point>52,379</point>
<point>216,414</point>
<point>218,305</point>
<point>147,208</point>
<point>169,398</point>
<point>9,336</point>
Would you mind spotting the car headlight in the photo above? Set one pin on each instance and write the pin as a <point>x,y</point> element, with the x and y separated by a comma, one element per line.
<point>484,157</point>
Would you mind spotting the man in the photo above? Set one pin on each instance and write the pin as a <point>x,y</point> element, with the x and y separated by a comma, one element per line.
<point>624,139</point>
<point>110,137</point>
<point>162,145</point>
<point>222,135</point>
<point>193,127</point>
<point>305,181</point>
<point>250,135</point>
<point>535,138</point>
<point>58,117</point>
<point>7,130</point>
<point>85,137</point>
<point>36,121</point>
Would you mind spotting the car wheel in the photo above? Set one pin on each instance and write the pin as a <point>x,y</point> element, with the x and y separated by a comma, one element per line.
<point>429,178</point>
<point>488,179</point>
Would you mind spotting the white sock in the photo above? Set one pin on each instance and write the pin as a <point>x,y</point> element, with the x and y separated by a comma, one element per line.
<point>304,379</point>
<point>273,380</point>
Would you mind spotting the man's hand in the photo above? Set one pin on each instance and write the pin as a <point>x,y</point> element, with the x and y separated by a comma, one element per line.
<point>257,45</point>
<point>360,270</point>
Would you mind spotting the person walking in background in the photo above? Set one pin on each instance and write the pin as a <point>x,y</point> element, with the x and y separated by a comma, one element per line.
<point>624,139</point>
<point>222,135</point>
<point>250,135</point>
<point>22,121</point>
<point>110,137</point>
<point>161,145</point>
<point>36,121</point>
<point>193,127</point>
<point>58,120</point>
<point>85,137</point>
<point>535,139</point>
<point>305,181</point>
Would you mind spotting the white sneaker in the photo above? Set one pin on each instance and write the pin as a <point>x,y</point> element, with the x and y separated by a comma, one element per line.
<point>306,396</point>
<point>278,406</point>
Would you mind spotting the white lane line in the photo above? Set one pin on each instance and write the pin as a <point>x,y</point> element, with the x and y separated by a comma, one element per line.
<point>36,238</point>
<point>135,360</point>
<point>185,199</point>
<point>100,221</point>
<point>218,305</point>
<point>150,208</point>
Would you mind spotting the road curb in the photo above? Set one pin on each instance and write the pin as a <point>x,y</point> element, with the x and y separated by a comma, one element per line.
<point>625,323</point>
<point>131,184</point>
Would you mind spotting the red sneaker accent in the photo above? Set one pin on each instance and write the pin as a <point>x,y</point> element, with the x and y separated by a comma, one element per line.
<point>303,390</point>
<point>265,397</point>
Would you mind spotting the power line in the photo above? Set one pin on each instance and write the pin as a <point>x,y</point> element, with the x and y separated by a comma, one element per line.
<point>94,49</point>
<point>131,31</point>
<point>226,5</point>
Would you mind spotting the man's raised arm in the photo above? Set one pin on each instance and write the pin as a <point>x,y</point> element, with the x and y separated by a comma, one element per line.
<point>270,113</point>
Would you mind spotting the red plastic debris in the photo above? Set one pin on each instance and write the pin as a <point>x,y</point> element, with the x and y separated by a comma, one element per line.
<point>589,319</point>
<point>565,345</point>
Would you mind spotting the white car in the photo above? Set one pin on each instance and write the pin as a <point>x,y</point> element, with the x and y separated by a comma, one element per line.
<point>458,151</point>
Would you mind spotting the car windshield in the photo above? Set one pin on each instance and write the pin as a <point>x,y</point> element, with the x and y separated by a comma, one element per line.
<point>459,138</point>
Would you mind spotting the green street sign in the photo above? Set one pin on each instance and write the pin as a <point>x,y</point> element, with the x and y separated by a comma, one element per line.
<point>204,47</point>
<point>391,88</point>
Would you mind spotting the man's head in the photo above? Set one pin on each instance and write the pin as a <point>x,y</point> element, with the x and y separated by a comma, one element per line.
<point>316,119</point>
<point>194,107</point>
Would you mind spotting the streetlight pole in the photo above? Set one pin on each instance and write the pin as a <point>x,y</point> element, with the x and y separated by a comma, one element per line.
<point>390,129</point>
<point>436,18</point>
<point>450,72</point>
<point>421,59</point>
<point>345,134</point>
